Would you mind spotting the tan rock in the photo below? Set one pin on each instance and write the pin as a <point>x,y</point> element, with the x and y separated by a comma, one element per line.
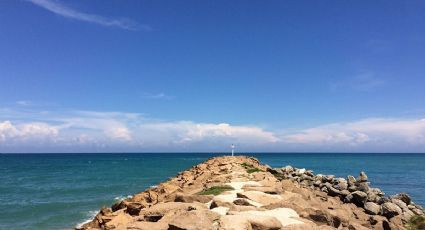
<point>260,197</point>
<point>249,222</point>
<point>180,197</point>
<point>193,220</point>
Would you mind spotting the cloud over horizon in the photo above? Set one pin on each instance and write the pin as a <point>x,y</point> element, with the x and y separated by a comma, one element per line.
<point>67,12</point>
<point>80,131</point>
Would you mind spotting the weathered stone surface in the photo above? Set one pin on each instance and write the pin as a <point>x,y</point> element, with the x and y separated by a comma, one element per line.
<point>180,197</point>
<point>351,180</point>
<point>358,198</point>
<point>372,208</point>
<point>403,197</point>
<point>133,208</point>
<point>333,191</point>
<point>357,227</point>
<point>249,222</point>
<point>260,197</point>
<point>193,220</point>
<point>362,177</point>
<point>400,204</point>
<point>390,210</point>
<point>341,184</point>
<point>363,186</point>
<point>242,202</point>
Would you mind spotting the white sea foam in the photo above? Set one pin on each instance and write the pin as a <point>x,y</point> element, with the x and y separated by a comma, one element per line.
<point>119,198</point>
<point>90,217</point>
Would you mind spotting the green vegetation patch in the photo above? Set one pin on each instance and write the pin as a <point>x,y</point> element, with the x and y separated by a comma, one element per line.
<point>215,190</point>
<point>247,166</point>
<point>416,223</point>
<point>253,170</point>
<point>250,168</point>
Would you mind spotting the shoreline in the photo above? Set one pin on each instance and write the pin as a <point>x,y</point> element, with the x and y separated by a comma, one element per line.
<point>362,199</point>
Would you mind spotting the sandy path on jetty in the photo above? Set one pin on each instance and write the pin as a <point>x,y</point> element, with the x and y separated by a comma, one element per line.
<point>285,216</point>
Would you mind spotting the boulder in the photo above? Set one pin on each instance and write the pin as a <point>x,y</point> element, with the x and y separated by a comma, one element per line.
<point>362,177</point>
<point>351,181</point>
<point>193,220</point>
<point>407,215</point>
<point>309,173</point>
<point>319,177</point>
<point>372,208</point>
<point>242,202</point>
<point>404,197</point>
<point>352,188</point>
<point>249,222</point>
<point>328,178</point>
<point>341,184</point>
<point>260,197</point>
<point>306,177</point>
<point>382,200</point>
<point>358,198</point>
<point>400,204</point>
<point>362,186</point>
<point>390,210</point>
<point>357,227</point>
<point>345,193</point>
<point>180,197</point>
<point>333,191</point>
<point>288,169</point>
<point>134,208</point>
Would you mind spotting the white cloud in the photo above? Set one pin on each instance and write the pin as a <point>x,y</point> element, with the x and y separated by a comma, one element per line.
<point>116,131</point>
<point>376,132</point>
<point>64,11</point>
<point>129,131</point>
<point>24,103</point>
<point>157,96</point>
<point>186,132</point>
<point>27,132</point>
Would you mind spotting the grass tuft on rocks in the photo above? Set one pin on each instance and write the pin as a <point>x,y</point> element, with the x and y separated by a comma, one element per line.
<point>247,166</point>
<point>416,223</point>
<point>216,190</point>
<point>250,168</point>
<point>253,170</point>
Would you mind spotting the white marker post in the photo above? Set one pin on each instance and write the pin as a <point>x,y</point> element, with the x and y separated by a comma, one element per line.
<point>233,149</point>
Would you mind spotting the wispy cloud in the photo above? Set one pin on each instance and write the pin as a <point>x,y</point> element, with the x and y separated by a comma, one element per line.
<point>381,134</point>
<point>74,130</point>
<point>367,81</point>
<point>157,96</point>
<point>65,11</point>
<point>23,103</point>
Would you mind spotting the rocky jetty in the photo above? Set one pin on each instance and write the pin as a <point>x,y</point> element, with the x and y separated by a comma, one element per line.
<point>238,193</point>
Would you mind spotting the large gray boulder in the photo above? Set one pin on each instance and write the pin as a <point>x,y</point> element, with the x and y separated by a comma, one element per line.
<point>362,186</point>
<point>390,210</point>
<point>358,198</point>
<point>403,197</point>
<point>372,208</point>
<point>340,184</point>
<point>374,194</point>
<point>400,204</point>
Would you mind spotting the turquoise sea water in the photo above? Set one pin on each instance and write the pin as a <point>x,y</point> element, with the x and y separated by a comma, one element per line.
<point>59,191</point>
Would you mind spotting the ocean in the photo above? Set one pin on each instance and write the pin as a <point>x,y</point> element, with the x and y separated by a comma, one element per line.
<point>60,191</point>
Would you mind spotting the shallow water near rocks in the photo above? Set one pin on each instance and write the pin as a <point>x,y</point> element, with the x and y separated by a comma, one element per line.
<point>59,191</point>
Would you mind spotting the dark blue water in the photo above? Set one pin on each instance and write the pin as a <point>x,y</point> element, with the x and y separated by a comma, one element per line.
<point>58,191</point>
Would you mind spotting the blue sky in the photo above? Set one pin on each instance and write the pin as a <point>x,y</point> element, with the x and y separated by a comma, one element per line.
<point>108,76</point>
